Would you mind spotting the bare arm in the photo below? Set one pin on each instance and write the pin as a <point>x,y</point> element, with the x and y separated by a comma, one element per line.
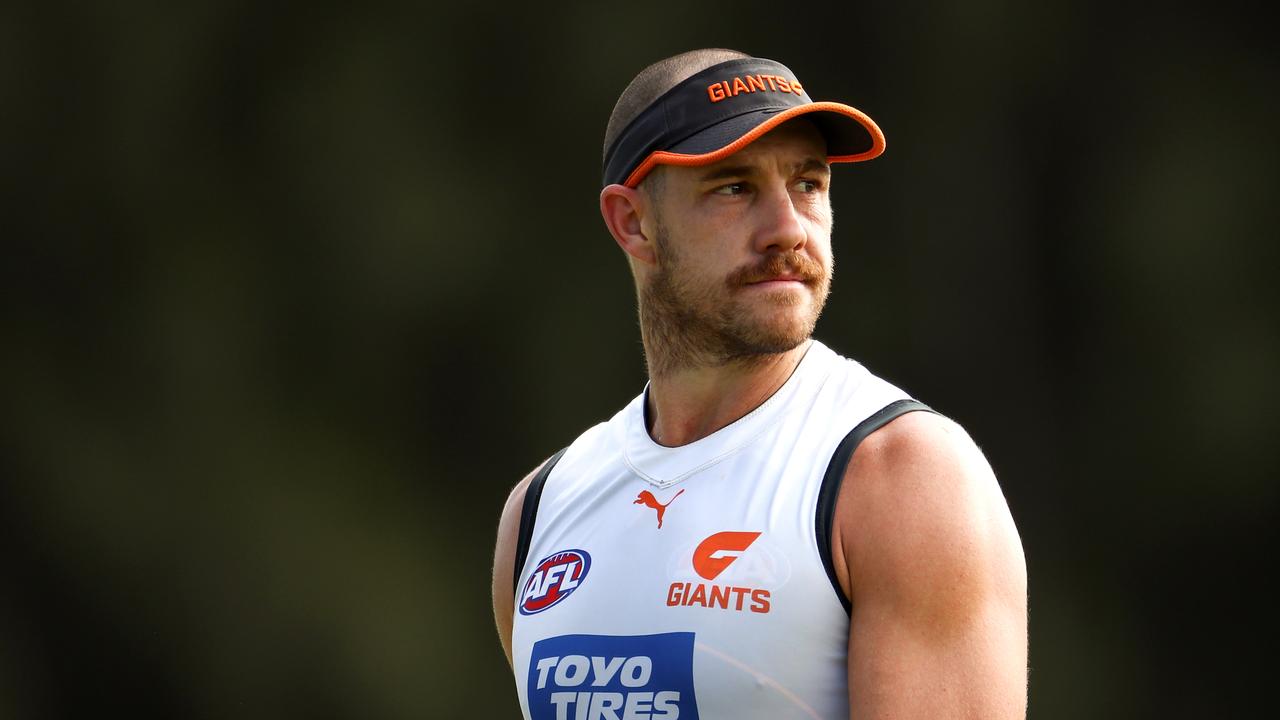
<point>925,547</point>
<point>504,560</point>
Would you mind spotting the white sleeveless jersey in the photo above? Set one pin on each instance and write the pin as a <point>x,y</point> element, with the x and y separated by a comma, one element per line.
<point>690,582</point>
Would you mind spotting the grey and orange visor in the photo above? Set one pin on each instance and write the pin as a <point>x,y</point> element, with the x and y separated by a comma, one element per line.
<point>717,112</point>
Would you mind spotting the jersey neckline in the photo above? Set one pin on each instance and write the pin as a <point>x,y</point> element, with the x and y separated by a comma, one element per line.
<point>664,466</point>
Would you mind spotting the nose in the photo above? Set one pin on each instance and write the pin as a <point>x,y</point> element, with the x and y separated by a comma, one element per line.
<point>781,226</point>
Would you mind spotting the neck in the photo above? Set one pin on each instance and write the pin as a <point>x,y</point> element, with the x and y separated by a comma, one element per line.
<point>690,402</point>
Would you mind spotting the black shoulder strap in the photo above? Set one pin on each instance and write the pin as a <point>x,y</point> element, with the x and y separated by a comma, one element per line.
<point>835,476</point>
<point>529,513</point>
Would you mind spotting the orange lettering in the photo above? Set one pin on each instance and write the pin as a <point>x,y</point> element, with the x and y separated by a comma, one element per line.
<point>715,92</point>
<point>755,83</point>
<point>795,87</point>
<point>685,594</point>
<point>769,79</point>
<point>674,593</point>
<point>740,87</point>
<point>783,84</point>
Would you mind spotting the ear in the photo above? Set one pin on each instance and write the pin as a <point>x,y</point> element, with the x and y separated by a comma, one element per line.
<point>623,209</point>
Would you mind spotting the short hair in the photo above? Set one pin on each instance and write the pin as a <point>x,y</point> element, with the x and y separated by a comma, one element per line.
<point>654,81</point>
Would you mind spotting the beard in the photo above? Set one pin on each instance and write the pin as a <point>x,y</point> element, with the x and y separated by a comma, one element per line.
<point>689,321</point>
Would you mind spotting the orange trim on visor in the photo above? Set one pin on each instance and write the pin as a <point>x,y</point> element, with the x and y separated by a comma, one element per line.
<point>664,157</point>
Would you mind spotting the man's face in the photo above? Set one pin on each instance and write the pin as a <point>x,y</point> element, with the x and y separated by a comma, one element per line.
<point>743,250</point>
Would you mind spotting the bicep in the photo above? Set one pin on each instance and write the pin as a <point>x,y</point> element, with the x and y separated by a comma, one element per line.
<point>937,577</point>
<point>971,668</point>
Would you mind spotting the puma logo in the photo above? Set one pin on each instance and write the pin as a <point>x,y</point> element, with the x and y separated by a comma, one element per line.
<point>647,499</point>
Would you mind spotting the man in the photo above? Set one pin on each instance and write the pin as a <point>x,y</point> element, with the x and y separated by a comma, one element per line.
<point>768,531</point>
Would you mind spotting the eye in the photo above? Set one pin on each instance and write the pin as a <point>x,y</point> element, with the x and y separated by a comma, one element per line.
<point>731,189</point>
<point>808,186</point>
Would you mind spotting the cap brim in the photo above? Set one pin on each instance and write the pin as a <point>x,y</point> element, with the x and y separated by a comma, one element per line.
<point>851,137</point>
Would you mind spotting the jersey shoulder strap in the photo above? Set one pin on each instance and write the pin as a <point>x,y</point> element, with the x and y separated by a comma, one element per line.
<point>834,476</point>
<point>529,514</point>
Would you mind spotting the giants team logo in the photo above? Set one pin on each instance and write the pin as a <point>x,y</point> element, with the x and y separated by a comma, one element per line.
<point>739,563</point>
<point>718,552</point>
<point>554,579</point>
<point>609,677</point>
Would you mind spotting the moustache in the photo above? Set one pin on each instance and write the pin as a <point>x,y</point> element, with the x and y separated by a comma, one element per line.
<point>793,264</point>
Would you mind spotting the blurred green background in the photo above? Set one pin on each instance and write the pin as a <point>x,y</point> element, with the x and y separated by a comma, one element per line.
<point>293,294</point>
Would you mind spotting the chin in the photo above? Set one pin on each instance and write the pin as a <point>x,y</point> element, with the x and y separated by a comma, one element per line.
<point>792,319</point>
<point>775,335</point>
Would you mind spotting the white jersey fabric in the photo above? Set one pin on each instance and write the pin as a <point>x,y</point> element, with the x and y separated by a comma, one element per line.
<point>687,582</point>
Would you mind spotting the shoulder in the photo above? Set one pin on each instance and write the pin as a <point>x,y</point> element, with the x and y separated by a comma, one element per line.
<point>514,506</point>
<point>916,443</point>
<point>511,518</point>
<point>920,509</point>
<point>504,554</point>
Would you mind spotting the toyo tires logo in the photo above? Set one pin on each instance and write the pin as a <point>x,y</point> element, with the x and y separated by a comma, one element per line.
<point>598,677</point>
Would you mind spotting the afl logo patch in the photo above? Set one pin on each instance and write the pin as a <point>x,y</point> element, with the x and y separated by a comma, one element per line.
<point>554,578</point>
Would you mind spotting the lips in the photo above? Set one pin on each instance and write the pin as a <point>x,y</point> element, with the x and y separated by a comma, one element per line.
<point>781,278</point>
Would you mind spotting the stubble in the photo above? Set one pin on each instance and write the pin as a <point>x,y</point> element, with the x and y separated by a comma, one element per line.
<point>697,322</point>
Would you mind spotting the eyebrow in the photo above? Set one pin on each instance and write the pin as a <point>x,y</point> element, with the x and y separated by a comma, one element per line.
<point>734,171</point>
<point>731,171</point>
<point>814,164</point>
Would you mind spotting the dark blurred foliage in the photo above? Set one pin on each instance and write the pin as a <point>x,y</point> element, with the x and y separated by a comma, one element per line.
<point>293,294</point>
